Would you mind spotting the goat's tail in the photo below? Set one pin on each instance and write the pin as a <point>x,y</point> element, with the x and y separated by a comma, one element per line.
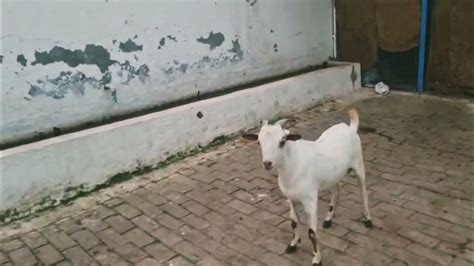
<point>354,116</point>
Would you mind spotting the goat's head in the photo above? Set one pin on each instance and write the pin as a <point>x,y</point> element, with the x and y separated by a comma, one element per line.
<point>272,140</point>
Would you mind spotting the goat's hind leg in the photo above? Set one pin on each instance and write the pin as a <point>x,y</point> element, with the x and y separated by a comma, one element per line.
<point>332,207</point>
<point>291,248</point>
<point>360,172</point>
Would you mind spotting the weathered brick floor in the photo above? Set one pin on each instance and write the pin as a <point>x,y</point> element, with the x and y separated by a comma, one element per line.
<point>221,208</point>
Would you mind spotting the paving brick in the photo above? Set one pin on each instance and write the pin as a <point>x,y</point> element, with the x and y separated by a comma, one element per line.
<point>3,258</point>
<point>272,245</point>
<point>176,197</point>
<point>246,220</point>
<point>418,237</point>
<point>78,256</point>
<point>59,239</point>
<point>352,225</point>
<point>95,225</point>
<point>190,251</point>
<point>331,241</point>
<point>192,235</point>
<point>209,261</point>
<point>119,223</point>
<point>152,196</point>
<point>428,220</point>
<point>34,239</point>
<point>11,245</point>
<point>138,237</point>
<point>243,232</point>
<point>195,208</point>
<point>48,255</point>
<point>105,256</point>
<point>111,238</point>
<point>273,259</point>
<point>267,217</point>
<point>22,256</point>
<point>101,212</point>
<point>246,197</point>
<point>387,237</point>
<point>69,225</point>
<point>444,235</point>
<point>242,206</point>
<point>407,257</point>
<point>64,263</point>
<point>228,188</point>
<point>367,257</point>
<point>195,221</point>
<point>430,254</point>
<point>174,210</point>
<point>180,261</point>
<point>113,202</point>
<point>127,211</point>
<point>85,239</point>
<point>145,223</point>
<point>168,221</point>
<point>166,236</point>
<point>149,262</point>
<point>221,208</point>
<point>130,252</point>
<point>160,252</point>
<point>456,251</point>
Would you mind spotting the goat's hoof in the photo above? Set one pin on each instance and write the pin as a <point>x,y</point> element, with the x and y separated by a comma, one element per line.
<point>318,264</point>
<point>368,223</point>
<point>327,223</point>
<point>290,249</point>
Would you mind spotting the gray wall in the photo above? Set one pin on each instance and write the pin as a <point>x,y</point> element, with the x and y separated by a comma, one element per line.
<point>68,62</point>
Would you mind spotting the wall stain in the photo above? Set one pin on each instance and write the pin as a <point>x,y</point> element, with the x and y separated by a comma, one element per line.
<point>21,59</point>
<point>1,59</point>
<point>172,38</point>
<point>275,47</point>
<point>130,46</point>
<point>183,68</point>
<point>64,83</point>
<point>234,55</point>
<point>92,55</point>
<point>213,40</point>
<point>251,3</point>
<point>162,42</point>
<point>77,82</point>
<point>238,53</point>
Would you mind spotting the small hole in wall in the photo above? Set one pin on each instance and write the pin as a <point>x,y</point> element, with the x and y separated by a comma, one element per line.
<point>199,115</point>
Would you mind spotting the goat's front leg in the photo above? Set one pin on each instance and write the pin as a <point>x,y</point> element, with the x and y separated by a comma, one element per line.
<point>332,206</point>
<point>311,209</point>
<point>294,224</point>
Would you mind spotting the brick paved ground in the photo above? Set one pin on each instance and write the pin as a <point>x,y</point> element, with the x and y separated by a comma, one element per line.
<point>221,208</point>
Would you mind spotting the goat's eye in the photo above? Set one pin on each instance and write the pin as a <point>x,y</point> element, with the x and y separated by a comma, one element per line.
<point>281,144</point>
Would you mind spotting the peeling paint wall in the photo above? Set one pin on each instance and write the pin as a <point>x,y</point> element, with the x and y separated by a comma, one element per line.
<point>66,63</point>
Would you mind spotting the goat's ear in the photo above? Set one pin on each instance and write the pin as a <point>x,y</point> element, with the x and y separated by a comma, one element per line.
<point>293,137</point>
<point>286,123</point>
<point>250,136</point>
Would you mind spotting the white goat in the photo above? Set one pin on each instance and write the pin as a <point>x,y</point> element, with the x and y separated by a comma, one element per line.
<point>304,167</point>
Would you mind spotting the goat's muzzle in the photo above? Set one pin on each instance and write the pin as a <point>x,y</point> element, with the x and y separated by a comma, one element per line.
<point>267,165</point>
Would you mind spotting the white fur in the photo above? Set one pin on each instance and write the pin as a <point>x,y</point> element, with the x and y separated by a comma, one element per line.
<point>304,167</point>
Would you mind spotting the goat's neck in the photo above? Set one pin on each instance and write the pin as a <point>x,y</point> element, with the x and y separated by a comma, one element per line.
<point>285,168</point>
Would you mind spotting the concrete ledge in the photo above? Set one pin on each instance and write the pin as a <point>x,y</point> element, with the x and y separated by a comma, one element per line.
<point>90,157</point>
